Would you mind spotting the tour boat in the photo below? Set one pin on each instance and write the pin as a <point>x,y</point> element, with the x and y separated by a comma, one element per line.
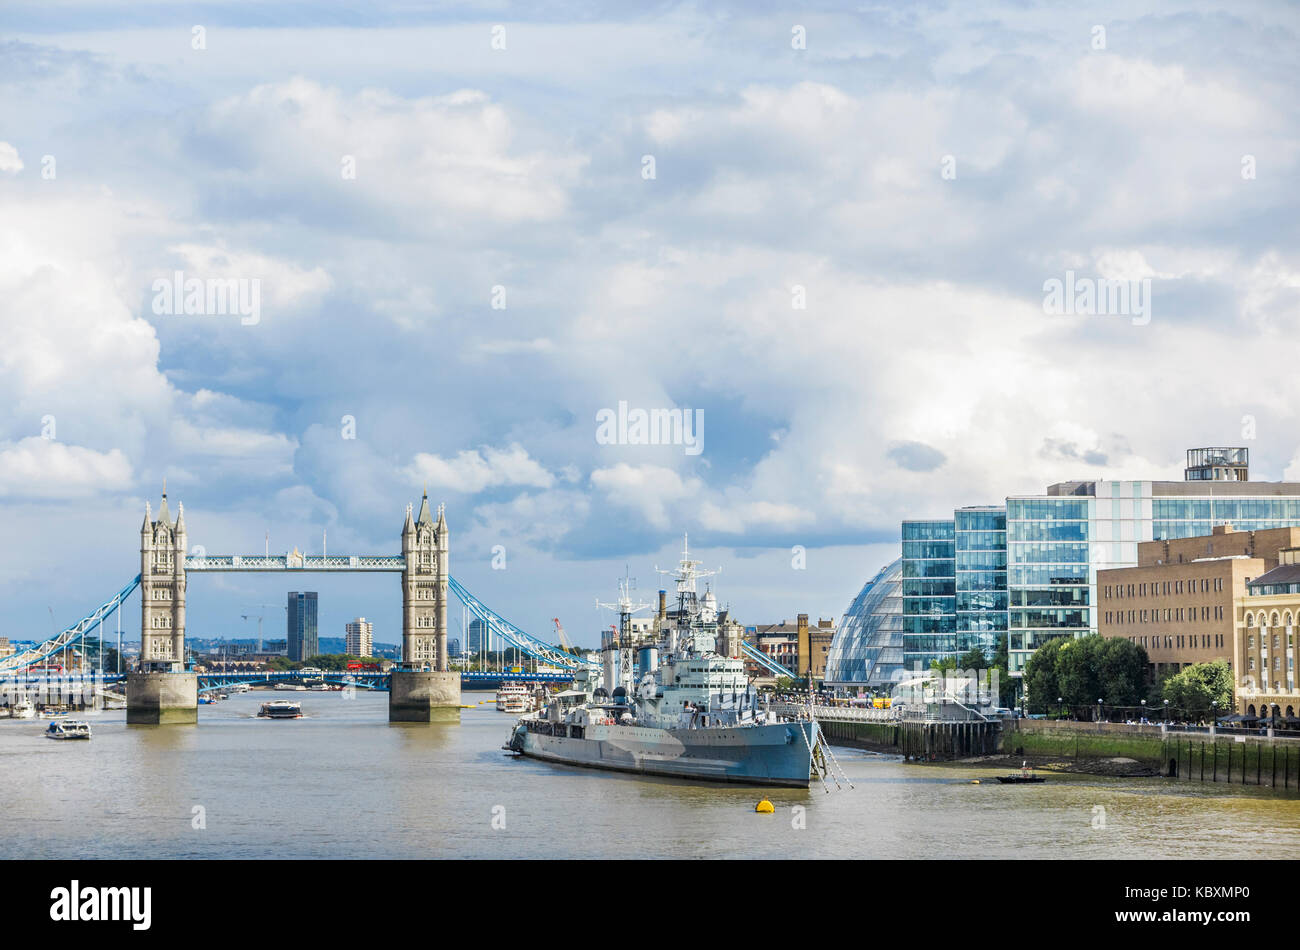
<point>23,709</point>
<point>280,709</point>
<point>514,698</point>
<point>68,729</point>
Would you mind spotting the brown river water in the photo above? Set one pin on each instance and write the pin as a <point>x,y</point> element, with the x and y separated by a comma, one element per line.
<point>343,782</point>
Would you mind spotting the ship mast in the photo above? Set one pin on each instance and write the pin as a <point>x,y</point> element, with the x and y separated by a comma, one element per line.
<point>625,609</point>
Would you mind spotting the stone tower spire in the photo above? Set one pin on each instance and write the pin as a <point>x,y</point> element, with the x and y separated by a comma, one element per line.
<point>424,590</point>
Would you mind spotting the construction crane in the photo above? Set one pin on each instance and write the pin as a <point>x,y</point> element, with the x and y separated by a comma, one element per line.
<point>564,637</point>
<point>259,620</point>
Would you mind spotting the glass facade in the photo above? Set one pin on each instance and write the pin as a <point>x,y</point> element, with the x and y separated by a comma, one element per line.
<point>304,641</point>
<point>929,592</point>
<point>981,578</point>
<point>868,647</point>
<point>1186,517</point>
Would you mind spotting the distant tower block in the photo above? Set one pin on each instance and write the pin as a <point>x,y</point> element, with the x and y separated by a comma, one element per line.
<point>159,691</point>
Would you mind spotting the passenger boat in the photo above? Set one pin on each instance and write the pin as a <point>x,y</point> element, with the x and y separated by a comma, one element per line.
<point>290,688</point>
<point>68,729</point>
<point>514,698</point>
<point>23,709</point>
<point>280,709</point>
<point>685,712</point>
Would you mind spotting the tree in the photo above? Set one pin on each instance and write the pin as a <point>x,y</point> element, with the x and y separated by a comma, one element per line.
<point>1121,670</point>
<point>1196,691</point>
<point>1041,683</point>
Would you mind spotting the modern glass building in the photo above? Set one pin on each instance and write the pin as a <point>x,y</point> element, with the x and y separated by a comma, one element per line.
<point>304,641</point>
<point>1029,568</point>
<point>867,651</point>
<point>981,579</point>
<point>929,592</point>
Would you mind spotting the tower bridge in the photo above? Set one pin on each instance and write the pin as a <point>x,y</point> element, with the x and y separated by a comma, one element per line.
<point>422,688</point>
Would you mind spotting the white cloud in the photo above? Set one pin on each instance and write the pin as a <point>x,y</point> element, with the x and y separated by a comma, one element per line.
<point>476,470</point>
<point>44,468</point>
<point>9,160</point>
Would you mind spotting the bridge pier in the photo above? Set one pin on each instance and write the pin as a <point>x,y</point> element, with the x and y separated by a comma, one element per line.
<point>159,699</point>
<point>415,696</point>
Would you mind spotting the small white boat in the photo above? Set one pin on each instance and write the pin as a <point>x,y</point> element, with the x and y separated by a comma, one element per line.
<point>238,688</point>
<point>280,709</point>
<point>23,709</point>
<point>68,729</point>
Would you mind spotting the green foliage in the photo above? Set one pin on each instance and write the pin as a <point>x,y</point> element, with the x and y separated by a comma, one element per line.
<point>1081,671</point>
<point>338,662</point>
<point>1192,692</point>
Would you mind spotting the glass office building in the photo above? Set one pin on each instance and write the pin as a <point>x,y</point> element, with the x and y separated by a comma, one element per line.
<point>867,651</point>
<point>981,579</point>
<point>1029,569</point>
<point>304,640</point>
<point>929,592</point>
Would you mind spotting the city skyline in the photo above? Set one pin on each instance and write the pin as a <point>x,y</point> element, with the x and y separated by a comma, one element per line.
<point>839,274</point>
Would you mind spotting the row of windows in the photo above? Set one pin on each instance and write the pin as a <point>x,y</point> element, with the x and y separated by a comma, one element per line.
<point>929,550</point>
<point>1156,588</point>
<point>1290,663</point>
<point>1225,509</point>
<point>969,520</point>
<point>1044,576</point>
<point>1049,553</point>
<point>1170,614</point>
<point>1168,641</point>
<point>1283,619</point>
<point>928,530</point>
<point>1263,641</point>
<point>1048,531</point>
<point>1046,509</point>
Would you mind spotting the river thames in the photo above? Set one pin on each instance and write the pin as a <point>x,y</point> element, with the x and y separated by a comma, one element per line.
<point>344,783</point>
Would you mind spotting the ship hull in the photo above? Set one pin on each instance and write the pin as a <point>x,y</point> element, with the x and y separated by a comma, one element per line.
<point>750,755</point>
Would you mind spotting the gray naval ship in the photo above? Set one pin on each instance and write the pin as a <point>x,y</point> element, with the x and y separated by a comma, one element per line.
<point>678,707</point>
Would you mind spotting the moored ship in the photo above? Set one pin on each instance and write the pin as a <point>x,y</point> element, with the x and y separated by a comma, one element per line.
<point>514,698</point>
<point>684,711</point>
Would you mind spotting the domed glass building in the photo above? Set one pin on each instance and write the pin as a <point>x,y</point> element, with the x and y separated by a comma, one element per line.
<point>867,650</point>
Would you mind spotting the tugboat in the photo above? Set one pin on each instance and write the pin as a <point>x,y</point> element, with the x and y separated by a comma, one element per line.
<point>1026,776</point>
<point>280,709</point>
<point>68,729</point>
<point>691,714</point>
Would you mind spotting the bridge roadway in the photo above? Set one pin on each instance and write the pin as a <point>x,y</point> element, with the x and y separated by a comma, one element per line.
<point>209,682</point>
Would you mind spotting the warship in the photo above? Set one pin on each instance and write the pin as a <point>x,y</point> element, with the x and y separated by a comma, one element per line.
<point>671,702</point>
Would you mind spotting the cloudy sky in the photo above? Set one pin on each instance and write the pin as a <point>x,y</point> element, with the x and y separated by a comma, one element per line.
<point>475,227</point>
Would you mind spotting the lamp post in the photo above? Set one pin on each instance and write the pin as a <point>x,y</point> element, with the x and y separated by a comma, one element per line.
<point>1166,712</point>
<point>1060,707</point>
<point>1144,708</point>
<point>1099,709</point>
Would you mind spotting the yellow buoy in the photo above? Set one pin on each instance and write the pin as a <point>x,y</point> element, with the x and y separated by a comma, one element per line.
<point>765,807</point>
<point>975,781</point>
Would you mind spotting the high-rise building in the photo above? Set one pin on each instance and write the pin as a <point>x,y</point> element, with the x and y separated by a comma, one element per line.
<point>359,637</point>
<point>479,637</point>
<point>301,631</point>
<point>929,592</point>
<point>1037,558</point>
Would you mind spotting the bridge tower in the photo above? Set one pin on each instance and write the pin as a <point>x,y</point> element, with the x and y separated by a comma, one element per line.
<point>422,688</point>
<point>424,589</point>
<point>159,690</point>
